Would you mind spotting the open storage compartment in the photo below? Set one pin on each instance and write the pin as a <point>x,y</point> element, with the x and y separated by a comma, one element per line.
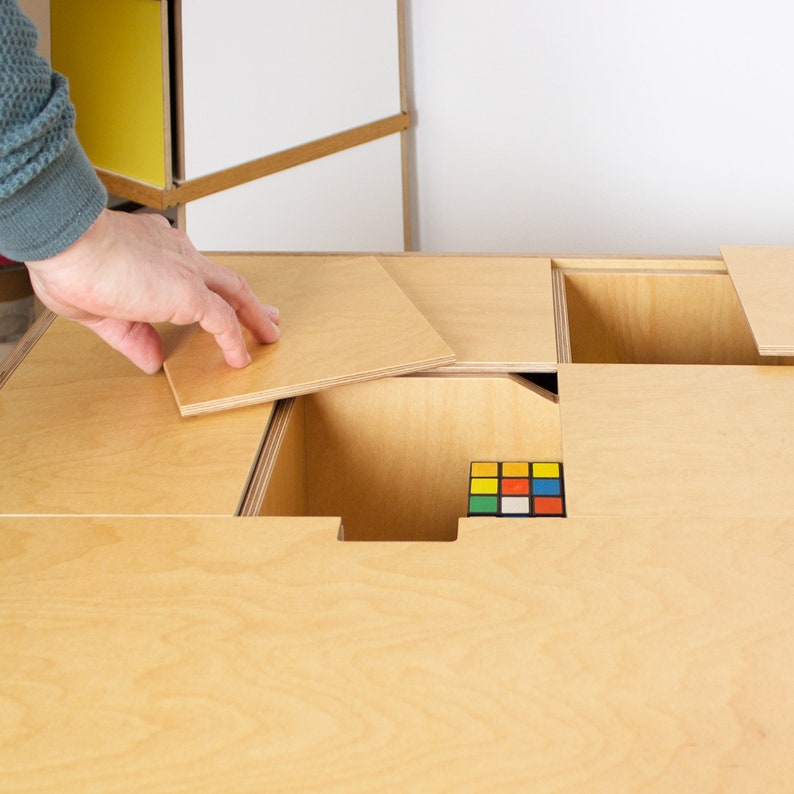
<point>673,312</point>
<point>391,457</point>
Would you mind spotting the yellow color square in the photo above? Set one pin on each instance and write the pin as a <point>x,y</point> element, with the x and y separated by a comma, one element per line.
<point>515,469</point>
<point>484,485</point>
<point>485,469</point>
<point>545,469</point>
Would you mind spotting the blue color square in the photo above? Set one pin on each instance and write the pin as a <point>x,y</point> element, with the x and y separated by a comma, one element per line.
<point>546,487</point>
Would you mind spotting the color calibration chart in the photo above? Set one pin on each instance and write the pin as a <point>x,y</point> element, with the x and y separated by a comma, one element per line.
<point>516,489</point>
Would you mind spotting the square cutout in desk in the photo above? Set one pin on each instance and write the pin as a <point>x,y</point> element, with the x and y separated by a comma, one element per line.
<point>343,320</point>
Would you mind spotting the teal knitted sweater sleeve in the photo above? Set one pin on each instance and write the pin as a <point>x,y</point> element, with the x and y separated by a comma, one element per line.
<point>49,193</point>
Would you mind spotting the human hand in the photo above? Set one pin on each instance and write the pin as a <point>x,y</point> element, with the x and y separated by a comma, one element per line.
<point>128,271</point>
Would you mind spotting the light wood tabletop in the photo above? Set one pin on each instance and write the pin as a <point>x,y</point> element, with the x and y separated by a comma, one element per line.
<point>247,655</point>
<point>84,431</point>
<point>678,440</point>
<point>641,644</point>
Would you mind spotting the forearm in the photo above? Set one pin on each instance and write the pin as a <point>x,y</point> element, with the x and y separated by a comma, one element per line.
<point>49,193</point>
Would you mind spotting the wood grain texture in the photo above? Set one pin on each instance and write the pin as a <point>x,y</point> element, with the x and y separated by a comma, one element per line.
<point>209,184</point>
<point>343,320</point>
<point>496,313</point>
<point>244,655</point>
<point>764,278</point>
<point>656,317</point>
<point>677,440</point>
<point>278,485</point>
<point>84,431</point>
<point>198,187</point>
<point>391,457</point>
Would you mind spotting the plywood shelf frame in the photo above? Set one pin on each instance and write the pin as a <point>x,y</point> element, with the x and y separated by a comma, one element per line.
<point>190,190</point>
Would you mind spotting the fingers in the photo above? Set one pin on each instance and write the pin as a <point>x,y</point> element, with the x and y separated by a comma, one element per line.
<point>138,341</point>
<point>261,319</point>
<point>220,320</point>
<point>129,271</point>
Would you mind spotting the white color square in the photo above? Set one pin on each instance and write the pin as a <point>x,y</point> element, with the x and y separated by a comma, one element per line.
<point>515,505</point>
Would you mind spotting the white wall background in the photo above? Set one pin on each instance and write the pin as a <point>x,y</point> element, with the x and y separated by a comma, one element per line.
<point>601,126</point>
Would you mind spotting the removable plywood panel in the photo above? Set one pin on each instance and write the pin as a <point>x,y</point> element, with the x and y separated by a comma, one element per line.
<point>496,313</point>
<point>764,279</point>
<point>84,431</point>
<point>677,440</point>
<point>343,320</point>
<point>209,655</point>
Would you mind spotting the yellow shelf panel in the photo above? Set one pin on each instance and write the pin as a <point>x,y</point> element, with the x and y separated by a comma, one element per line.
<point>114,57</point>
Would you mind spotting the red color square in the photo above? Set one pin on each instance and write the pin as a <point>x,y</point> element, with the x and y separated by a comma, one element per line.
<point>515,487</point>
<point>548,506</point>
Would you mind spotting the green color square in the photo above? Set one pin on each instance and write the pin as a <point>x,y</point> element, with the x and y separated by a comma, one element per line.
<point>483,505</point>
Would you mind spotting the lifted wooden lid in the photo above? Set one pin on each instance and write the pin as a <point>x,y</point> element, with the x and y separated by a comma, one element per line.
<point>344,320</point>
<point>764,280</point>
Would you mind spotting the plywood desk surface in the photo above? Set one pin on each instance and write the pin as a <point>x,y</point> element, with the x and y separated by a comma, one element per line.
<point>246,655</point>
<point>678,440</point>
<point>84,431</point>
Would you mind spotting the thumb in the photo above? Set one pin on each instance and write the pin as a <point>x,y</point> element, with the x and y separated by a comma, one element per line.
<point>138,341</point>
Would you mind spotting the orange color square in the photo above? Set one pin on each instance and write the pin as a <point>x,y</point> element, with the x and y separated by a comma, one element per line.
<point>515,487</point>
<point>548,506</point>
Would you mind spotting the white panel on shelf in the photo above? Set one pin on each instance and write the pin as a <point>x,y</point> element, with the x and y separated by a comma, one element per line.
<point>349,201</point>
<point>259,78</point>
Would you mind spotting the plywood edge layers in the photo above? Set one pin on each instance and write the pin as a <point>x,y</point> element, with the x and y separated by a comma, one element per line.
<point>24,345</point>
<point>262,470</point>
<point>404,147</point>
<point>502,367</point>
<point>511,377</point>
<point>761,276</point>
<point>561,316</point>
<point>165,44</point>
<point>190,190</point>
<point>226,403</point>
<point>635,264</point>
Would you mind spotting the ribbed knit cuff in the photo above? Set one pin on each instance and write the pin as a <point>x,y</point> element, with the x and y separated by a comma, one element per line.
<point>53,210</point>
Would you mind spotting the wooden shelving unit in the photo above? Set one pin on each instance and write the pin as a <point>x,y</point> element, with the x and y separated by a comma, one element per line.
<point>166,124</point>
